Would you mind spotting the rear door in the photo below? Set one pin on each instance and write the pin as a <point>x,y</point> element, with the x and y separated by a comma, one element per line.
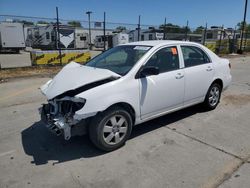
<point>199,72</point>
<point>165,91</point>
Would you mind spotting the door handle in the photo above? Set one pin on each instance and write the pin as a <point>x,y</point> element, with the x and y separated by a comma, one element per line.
<point>209,69</point>
<point>179,76</point>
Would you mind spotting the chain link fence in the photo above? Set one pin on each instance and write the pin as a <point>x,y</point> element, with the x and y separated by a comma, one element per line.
<point>48,34</point>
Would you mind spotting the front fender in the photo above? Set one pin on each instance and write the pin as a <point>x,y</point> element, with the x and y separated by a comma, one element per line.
<point>102,97</point>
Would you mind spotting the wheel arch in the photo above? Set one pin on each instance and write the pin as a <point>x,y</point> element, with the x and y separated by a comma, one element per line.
<point>128,107</point>
<point>218,81</point>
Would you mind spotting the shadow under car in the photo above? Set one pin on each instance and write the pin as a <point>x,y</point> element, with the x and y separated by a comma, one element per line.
<point>44,146</point>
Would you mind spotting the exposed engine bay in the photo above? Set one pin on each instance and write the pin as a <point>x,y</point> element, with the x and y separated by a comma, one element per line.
<point>61,91</point>
<point>58,115</point>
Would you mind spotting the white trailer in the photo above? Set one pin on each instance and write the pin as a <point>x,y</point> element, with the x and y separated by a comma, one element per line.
<point>151,35</point>
<point>99,41</point>
<point>120,38</point>
<point>11,36</point>
<point>45,37</point>
<point>81,38</point>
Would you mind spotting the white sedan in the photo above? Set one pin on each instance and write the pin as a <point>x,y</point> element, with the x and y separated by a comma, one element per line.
<point>131,84</point>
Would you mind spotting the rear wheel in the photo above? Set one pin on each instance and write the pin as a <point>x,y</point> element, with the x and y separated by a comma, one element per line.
<point>213,96</point>
<point>110,129</point>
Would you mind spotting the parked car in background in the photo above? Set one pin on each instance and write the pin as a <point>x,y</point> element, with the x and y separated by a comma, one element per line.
<point>130,84</point>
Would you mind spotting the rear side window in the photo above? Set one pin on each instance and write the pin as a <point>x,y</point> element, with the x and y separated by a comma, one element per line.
<point>194,56</point>
<point>166,59</point>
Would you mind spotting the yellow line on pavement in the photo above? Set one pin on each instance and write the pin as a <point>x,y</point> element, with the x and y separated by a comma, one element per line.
<point>17,93</point>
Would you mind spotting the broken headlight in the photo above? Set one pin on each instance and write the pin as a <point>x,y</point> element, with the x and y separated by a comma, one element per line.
<point>66,106</point>
<point>69,107</point>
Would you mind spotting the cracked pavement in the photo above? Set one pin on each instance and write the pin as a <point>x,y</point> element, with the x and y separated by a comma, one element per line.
<point>188,148</point>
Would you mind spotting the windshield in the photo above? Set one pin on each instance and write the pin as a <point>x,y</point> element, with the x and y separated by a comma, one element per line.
<point>119,59</point>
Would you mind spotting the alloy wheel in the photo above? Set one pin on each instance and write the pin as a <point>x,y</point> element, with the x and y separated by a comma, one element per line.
<point>214,96</point>
<point>115,129</point>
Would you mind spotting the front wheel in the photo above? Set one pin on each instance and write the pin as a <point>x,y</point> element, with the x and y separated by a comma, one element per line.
<point>213,96</point>
<point>110,129</point>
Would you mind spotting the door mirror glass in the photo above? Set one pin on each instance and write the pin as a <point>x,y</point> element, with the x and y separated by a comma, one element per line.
<point>147,71</point>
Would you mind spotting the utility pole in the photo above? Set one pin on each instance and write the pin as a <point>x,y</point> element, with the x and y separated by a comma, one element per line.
<point>221,33</point>
<point>205,35</point>
<point>139,27</point>
<point>240,51</point>
<point>245,43</point>
<point>186,34</point>
<point>104,30</point>
<point>58,37</point>
<point>234,39</point>
<point>164,30</point>
<point>90,45</point>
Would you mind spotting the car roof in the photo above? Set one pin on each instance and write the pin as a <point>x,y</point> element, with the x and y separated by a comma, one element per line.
<point>159,42</point>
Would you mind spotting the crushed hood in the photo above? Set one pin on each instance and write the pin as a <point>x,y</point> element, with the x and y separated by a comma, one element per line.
<point>74,76</point>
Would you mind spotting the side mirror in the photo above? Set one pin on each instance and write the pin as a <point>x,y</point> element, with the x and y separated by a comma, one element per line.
<point>147,71</point>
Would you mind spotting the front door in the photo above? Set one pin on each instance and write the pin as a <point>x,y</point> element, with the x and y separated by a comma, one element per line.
<point>165,91</point>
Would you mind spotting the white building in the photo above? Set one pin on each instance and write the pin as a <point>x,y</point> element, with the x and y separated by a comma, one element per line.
<point>146,34</point>
<point>217,33</point>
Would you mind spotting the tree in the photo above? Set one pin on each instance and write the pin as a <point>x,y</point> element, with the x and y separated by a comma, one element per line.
<point>75,23</point>
<point>199,30</point>
<point>171,28</point>
<point>42,22</point>
<point>121,28</point>
<point>27,22</point>
<point>24,22</point>
<point>54,23</point>
<point>240,26</point>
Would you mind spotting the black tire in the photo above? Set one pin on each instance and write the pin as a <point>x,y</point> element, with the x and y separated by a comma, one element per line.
<point>97,133</point>
<point>207,103</point>
<point>17,51</point>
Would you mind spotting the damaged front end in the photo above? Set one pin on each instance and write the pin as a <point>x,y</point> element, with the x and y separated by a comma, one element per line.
<point>60,112</point>
<point>58,115</point>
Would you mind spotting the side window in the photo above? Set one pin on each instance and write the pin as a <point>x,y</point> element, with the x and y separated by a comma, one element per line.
<point>194,56</point>
<point>53,37</point>
<point>36,33</point>
<point>150,37</point>
<point>142,37</point>
<point>47,35</point>
<point>165,59</point>
<point>83,38</point>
